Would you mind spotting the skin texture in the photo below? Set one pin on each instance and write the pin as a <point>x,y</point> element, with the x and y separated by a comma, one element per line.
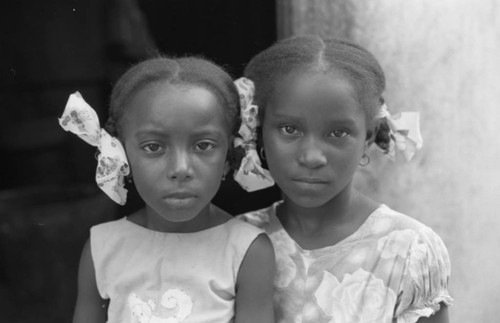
<point>313,153</point>
<point>321,144</point>
<point>176,139</point>
<point>314,135</point>
<point>176,133</point>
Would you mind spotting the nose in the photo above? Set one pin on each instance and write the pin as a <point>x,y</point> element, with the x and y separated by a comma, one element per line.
<point>312,155</point>
<point>179,166</point>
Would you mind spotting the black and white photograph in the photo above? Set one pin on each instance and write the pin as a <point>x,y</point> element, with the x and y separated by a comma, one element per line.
<point>263,161</point>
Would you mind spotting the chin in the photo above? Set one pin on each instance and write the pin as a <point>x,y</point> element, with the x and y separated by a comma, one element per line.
<point>176,214</point>
<point>308,201</point>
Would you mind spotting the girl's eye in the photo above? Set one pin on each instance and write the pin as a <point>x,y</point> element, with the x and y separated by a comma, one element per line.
<point>339,133</point>
<point>289,130</point>
<point>151,148</point>
<point>204,146</point>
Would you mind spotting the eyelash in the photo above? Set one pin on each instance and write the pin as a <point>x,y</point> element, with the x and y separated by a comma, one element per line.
<point>148,149</point>
<point>344,133</point>
<point>286,133</point>
<point>211,145</point>
<point>157,148</point>
<point>334,133</point>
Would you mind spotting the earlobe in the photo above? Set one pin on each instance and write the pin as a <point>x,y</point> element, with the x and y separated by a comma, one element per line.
<point>227,168</point>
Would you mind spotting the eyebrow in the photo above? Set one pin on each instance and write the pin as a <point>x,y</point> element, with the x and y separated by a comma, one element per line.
<point>284,116</point>
<point>149,132</point>
<point>347,121</point>
<point>161,133</point>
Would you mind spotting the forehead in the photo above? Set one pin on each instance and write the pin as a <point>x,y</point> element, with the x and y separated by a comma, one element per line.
<point>324,93</point>
<point>315,85</point>
<point>174,108</point>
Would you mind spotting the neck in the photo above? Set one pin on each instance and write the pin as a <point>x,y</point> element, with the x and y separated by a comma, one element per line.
<point>203,220</point>
<point>336,211</point>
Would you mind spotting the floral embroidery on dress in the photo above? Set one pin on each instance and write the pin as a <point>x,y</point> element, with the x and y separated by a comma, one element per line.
<point>361,297</point>
<point>396,243</point>
<point>175,307</point>
<point>284,264</point>
<point>419,255</point>
<point>258,219</point>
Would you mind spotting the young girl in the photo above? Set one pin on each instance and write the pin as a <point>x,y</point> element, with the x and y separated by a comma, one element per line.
<point>341,257</point>
<point>180,259</point>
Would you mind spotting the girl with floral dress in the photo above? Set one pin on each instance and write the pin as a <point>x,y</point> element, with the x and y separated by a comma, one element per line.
<point>341,257</point>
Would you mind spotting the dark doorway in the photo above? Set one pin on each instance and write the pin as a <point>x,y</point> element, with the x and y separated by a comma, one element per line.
<point>48,197</point>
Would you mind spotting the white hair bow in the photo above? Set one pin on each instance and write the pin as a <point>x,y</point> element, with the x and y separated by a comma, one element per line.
<point>250,175</point>
<point>112,165</point>
<point>404,133</point>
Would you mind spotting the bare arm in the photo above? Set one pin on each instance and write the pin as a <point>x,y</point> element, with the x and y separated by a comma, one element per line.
<point>254,288</point>
<point>440,316</point>
<point>90,307</point>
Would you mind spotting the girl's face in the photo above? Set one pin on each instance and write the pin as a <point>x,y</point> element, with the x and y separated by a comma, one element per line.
<point>176,139</point>
<point>314,134</point>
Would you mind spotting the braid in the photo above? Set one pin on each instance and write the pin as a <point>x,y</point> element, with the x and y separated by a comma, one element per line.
<point>312,53</point>
<point>383,135</point>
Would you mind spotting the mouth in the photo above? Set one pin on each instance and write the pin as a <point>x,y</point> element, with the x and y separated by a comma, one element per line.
<point>180,195</point>
<point>180,200</point>
<point>310,180</point>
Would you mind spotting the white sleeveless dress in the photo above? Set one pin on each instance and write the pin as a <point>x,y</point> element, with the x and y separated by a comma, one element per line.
<point>157,277</point>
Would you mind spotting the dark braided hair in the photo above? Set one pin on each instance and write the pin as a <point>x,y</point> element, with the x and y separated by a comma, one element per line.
<point>312,53</point>
<point>177,71</point>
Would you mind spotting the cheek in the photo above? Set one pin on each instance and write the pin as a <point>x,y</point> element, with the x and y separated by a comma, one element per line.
<point>146,176</point>
<point>210,167</point>
<point>277,153</point>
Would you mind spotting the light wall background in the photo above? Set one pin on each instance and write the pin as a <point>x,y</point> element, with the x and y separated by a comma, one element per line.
<point>441,58</point>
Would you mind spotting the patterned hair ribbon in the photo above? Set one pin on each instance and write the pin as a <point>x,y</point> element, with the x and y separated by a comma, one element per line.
<point>112,165</point>
<point>404,133</point>
<point>250,175</point>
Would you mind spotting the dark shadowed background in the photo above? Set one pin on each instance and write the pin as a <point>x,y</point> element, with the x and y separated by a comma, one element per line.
<point>48,197</point>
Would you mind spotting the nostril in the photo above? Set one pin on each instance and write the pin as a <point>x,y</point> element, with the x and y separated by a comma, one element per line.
<point>181,175</point>
<point>313,158</point>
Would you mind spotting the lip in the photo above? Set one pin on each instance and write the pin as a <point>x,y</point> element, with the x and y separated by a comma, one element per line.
<point>180,195</point>
<point>310,180</point>
<point>180,200</point>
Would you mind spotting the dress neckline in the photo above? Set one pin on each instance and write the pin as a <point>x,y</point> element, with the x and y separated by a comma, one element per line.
<point>139,227</point>
<point>277,222</point>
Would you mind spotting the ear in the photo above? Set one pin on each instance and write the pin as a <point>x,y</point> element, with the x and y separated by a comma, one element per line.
<point>227,167</point>
<point>229,155</point>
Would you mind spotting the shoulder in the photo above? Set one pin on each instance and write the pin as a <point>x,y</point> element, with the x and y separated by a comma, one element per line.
<point>258,262</point>
<point>254,283</point>
<point>243,245</point>
<point>415,254</point>
<point>425,261</point>
<point>261,248</point>
<point>108,226</point>
<point>386,221</point>
<point>103,230</point>
<point>242,231</point>
<point>107,235</point>
<point>260,254</point>
<point>395,230</point>
<point>260,218</point>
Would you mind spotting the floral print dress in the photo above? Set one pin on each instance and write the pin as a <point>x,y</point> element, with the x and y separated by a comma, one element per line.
<point>392,269</point>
